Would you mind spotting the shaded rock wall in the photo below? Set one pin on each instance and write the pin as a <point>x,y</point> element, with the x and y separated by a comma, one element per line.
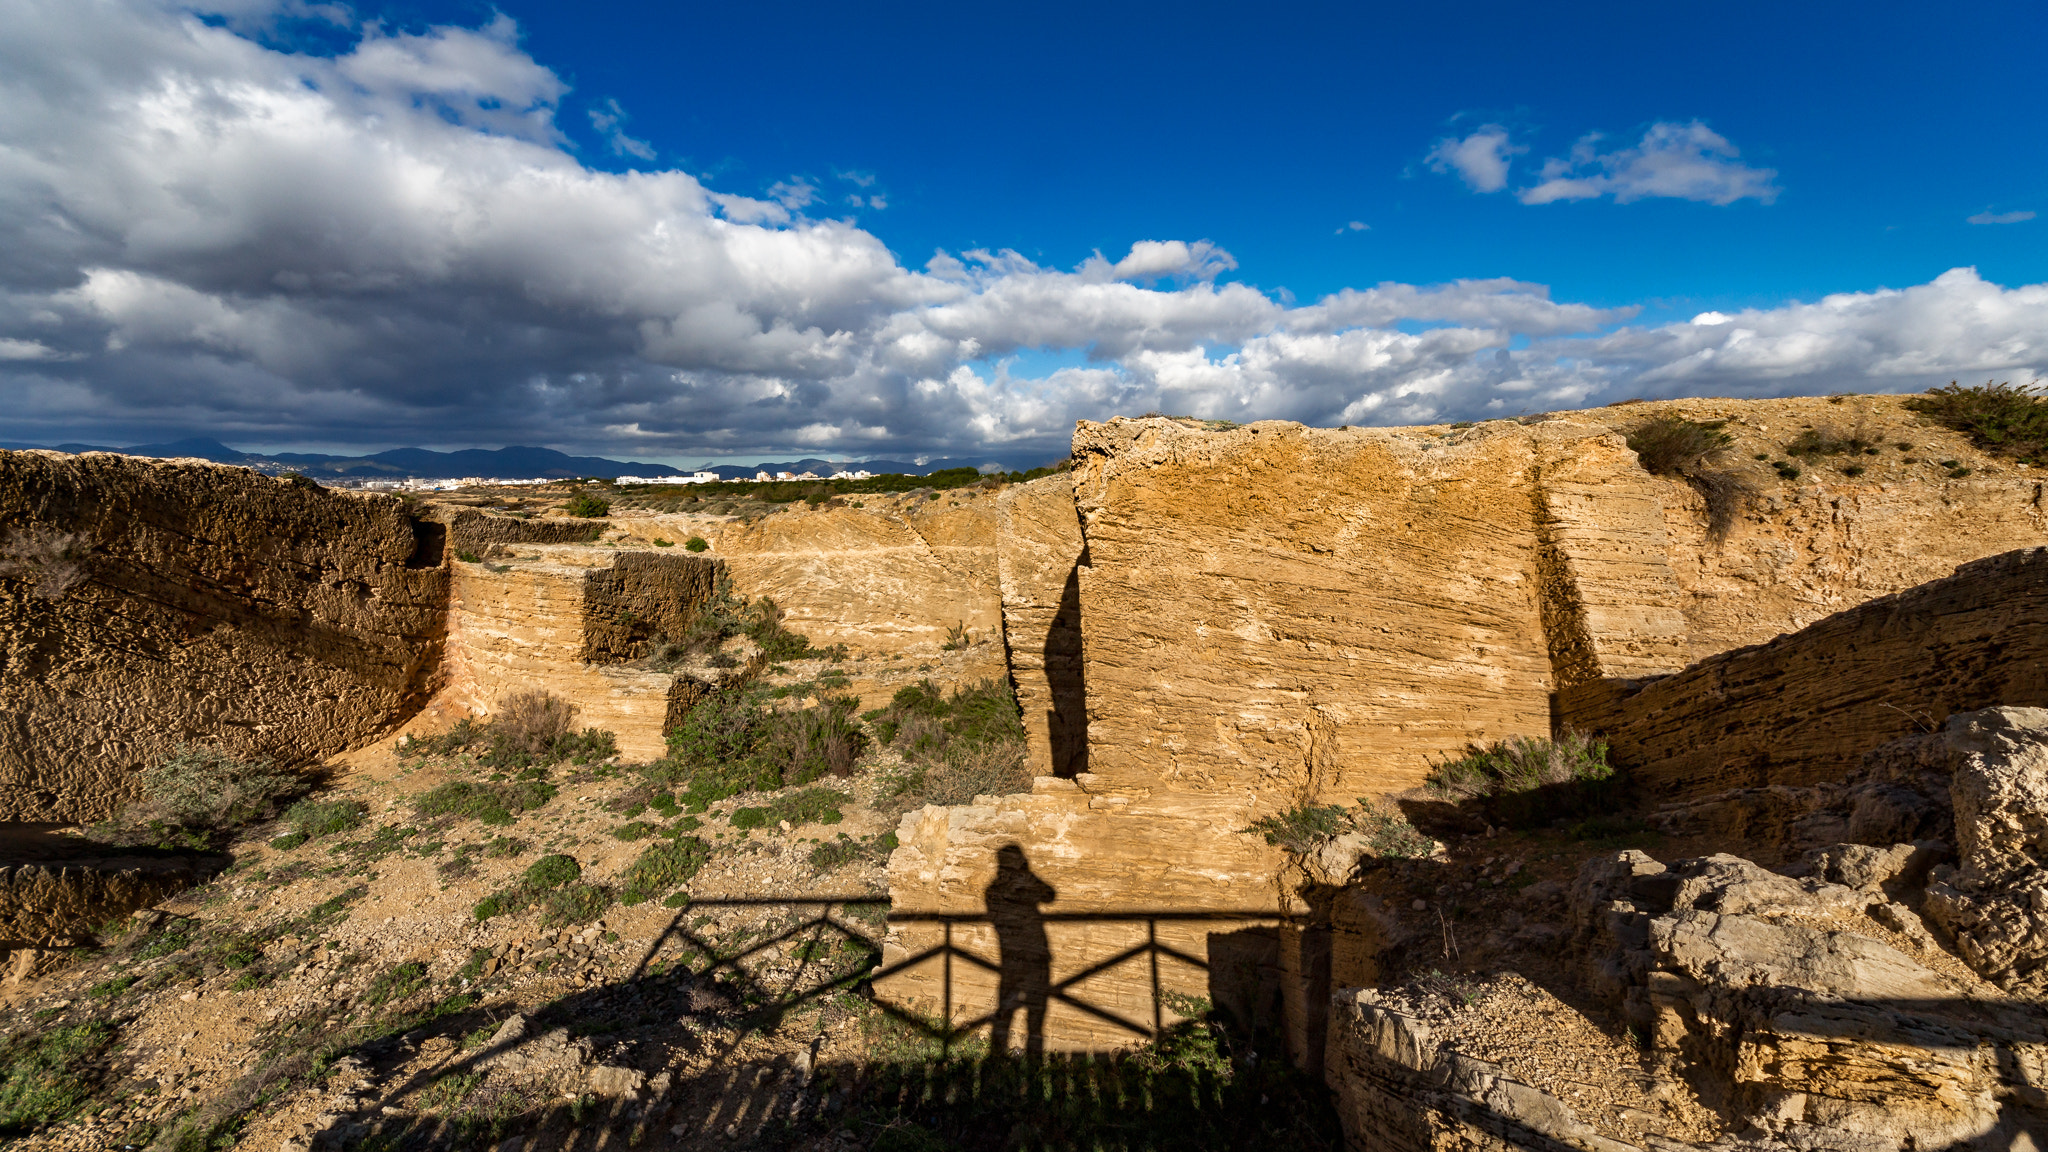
<point>147,604</point>
<point>1039,555</point>
<point>1803,708</point>
<point>473,533</point>
<point>643,596</point>
<point>62,903</point>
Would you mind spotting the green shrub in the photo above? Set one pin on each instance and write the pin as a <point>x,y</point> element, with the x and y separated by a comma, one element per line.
<point>198,799</point>
<point>730,742</point>
<point>588,506</point>
<point>696,544</point>
<point>494,804</point>
<point>749,818</point>
<point>956,747</point>
<point>552,872</point>
<point>1303,828</point>
<point>577,903</point>
<point>289,841</point>
<point>637,830</point>
<point>849,850</point>
<point>662,868</point>
<point>315,818</point>
<point>1525,780</point>
<point>529,729</point>
<point>660,543</point>
<point>2000,419</point>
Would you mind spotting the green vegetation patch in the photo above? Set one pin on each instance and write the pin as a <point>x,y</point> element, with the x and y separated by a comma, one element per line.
<point>1307,827</point>
<point>662,868</point>
<point>198,799</point>
<point>51,1073</point>
<point>494,804</point>
<point>732,742</point>
<point>2002,419</point>
<point>555,883</point>
<point>1523,781</point>
<point>850,850</point>
<point>530,730</point>
<point>956,747</point>
<point>588,506</point>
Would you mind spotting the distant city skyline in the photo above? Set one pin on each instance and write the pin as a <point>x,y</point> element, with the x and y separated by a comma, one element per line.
<point>689,234</point>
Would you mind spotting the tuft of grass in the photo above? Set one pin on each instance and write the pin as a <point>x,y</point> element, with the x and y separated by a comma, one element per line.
<point>1671,445</point>
<point>1826,441</point>
<point>398,982</point>
<point>552,872</point>
<point>577,903</point>
<point>1301,829</point>
<point>660,543</point>
<point>637,830</point>
<point>2002,419</point>
<point>1693,450</point>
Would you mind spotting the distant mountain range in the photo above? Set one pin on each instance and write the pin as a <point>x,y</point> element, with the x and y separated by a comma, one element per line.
<point>503,463</point>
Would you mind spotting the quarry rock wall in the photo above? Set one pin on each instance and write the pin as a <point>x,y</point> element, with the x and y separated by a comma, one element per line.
<point>1039,555</point>
<point>1803,708</point>
<point>876,579</point>
<point>525,627</point>
<point>1273,615</point>
<point>146,604</point>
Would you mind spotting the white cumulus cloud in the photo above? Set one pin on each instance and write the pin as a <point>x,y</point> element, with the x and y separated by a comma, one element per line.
<point>1480,159</point>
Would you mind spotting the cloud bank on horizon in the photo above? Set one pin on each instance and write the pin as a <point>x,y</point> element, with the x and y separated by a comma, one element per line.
<point>397,244</point>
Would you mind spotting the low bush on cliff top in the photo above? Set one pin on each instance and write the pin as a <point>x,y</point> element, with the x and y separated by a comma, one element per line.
<point>587,506</point>
<point>1999,418</point>
<point>198,799</point>
<point>1525,780</point>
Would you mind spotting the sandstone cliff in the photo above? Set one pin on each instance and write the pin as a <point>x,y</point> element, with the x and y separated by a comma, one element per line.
<point>147,604</point>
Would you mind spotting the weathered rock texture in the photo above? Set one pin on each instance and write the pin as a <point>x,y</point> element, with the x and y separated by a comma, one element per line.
<point>1803,708</point>
<point>1793,1016</point>
<point>873,579</point>
<point>643,596</point>
<point>1995,905</point>
<point>473,533</point>
<point>148,604</point>
<point>62,903</point>
<point>1039,555</point>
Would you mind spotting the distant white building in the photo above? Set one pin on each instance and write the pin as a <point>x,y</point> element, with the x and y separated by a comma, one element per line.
<point>761,477</point>
<point>860,475</point>
<point>785,475</point>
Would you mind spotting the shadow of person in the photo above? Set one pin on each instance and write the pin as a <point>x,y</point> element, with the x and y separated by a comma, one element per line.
<point>1024,955</point>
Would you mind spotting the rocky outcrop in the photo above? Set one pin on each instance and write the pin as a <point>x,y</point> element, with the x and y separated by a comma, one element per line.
<point>61,903</point>
<point>1802,709</point>
<point>147,604</point>
<point>1995,904</point>
<point>1789,1012</point>
<point>1039,556</point>
<point>643,597</point>
<point>472,533</point>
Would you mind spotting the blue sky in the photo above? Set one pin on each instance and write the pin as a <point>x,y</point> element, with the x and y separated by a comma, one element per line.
<point>1537,203</point>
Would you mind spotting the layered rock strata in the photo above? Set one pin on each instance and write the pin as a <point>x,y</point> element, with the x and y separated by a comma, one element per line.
<point>1803,708</point>
<point>146,604</point>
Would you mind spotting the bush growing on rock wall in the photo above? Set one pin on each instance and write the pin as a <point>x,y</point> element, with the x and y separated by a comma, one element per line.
<point>1307,827</point>
<point>1524,780</point>
<point>726,615</point>
<point>1692,450</point>
<point>2001,419</point>
<point>198,799</point>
